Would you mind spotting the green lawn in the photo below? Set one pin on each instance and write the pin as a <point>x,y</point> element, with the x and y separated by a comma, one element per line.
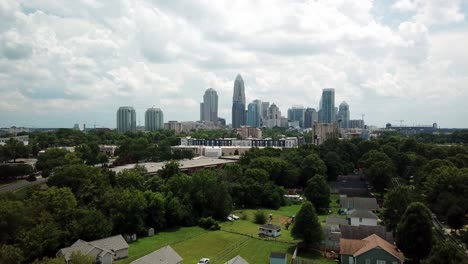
<point>147,245</point>
<point>193,243</point>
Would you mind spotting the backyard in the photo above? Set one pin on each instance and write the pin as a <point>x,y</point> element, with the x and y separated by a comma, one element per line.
<point>235,238</point>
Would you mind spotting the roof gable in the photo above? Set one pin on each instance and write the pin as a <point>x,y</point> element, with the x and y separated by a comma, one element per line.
<point>359,247</point>
<point>165,255</point>
<point>237,260</point>
<point>359,203</point>
<point>361,214</point>
<point>114,243</point>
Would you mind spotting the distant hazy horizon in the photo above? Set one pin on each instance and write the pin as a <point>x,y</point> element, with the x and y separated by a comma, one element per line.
<point>70,62</point>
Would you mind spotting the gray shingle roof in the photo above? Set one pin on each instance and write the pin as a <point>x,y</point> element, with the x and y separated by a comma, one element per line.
<point>359,203</point>
<point>165,255</point>
<point>114,243</point>
<point>362,214</point>
<point>336,220</point>
<point>270,226</point>
<point>84,248</point>
<point>363,231</point>
<point>237,260</point>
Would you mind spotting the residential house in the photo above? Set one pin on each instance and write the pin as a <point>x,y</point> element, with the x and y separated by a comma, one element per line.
<point>370,250</point>
<point>117,244</point>
<point>104,250</point>
<point>278,258</point>
<point>360,203</point>
<point>363,231</point>
<point>269,230</point>
<point>335,221</point>
<point>237,260</point>
<point>362,217</point>
<point>165,255</point>
<point>332,235</point>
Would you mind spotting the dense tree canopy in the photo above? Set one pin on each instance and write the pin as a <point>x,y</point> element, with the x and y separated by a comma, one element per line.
<point>414,232</point>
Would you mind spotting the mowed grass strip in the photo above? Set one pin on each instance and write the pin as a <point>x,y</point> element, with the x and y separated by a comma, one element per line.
<point>147,245</point>
<point>258,251</point>
<point>208,245</point>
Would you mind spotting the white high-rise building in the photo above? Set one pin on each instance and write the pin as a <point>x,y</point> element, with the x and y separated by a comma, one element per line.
<point>154,119</point>
<point>126,119</point>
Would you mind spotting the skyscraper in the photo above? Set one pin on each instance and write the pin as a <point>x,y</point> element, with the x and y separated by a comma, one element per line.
<point>154,119</point>
<point>327,106</point>
<point>343,115</point>
<point>238,103</point>
<point>209,107</point>
<point>126,119</point>
<point>310,116</point>
<point>296,113</point>
<point>253,114</point>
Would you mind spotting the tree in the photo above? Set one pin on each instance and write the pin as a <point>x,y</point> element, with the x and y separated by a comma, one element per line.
<point>260,217</point>
<point>307,226</point>
<point>102,158</point>
<point>14,149</point>
<point>155,211</point>
<point>93,224</point>
<point>311,166</point>
<point>12,217</point>
<point>78,258</point>
<point>442,253</point>
<point>10,255</point>
<point>455,216</point>
<point>380,175</point>
<point>318,192</point>
<point>395,203</point>
<point>334,165</point>
<point>414,232</point>
<point>169,169</point>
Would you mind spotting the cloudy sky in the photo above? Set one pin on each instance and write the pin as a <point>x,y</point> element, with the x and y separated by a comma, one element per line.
<point>77,61</point>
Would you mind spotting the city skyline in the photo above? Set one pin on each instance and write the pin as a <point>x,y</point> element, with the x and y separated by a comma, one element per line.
<point>73,62</point>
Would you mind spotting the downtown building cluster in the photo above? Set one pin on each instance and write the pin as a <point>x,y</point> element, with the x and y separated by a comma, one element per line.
<point>255,114</point>
<point>260,113</point>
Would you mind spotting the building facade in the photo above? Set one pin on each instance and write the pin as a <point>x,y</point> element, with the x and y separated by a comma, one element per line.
<point>126,119</point>
<point>209,107</point>
<point>249,132</point>
<point>327,106</point>
<point>253,115</point>
<point>238,103</point>
<point>310,116</point>
<point>296,113</point>
<point>343,115</point>
<point>154,119</point>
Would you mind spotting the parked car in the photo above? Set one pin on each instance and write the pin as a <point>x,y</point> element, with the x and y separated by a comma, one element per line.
<point>204,261</point>
<point>235,217</point>
<point>230,218</point>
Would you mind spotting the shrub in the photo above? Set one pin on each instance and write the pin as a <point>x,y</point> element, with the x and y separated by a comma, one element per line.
<point>208,223</point>
<point>260,217</point>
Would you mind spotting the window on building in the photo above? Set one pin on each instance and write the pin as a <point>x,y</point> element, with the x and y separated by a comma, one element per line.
<point>367,261</point>
<point>351,260</point>
<point>360,219</point>
<point>381,262</point>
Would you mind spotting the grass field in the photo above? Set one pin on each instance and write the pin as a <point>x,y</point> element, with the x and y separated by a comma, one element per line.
<point>147,245</point>
<point>193,243</point>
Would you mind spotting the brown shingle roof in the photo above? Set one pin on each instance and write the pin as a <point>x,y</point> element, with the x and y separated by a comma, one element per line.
<point>350,246</point>
<point>358,247</point>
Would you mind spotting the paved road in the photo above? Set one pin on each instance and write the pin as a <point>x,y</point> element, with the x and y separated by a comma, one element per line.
<point>12,187</point>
